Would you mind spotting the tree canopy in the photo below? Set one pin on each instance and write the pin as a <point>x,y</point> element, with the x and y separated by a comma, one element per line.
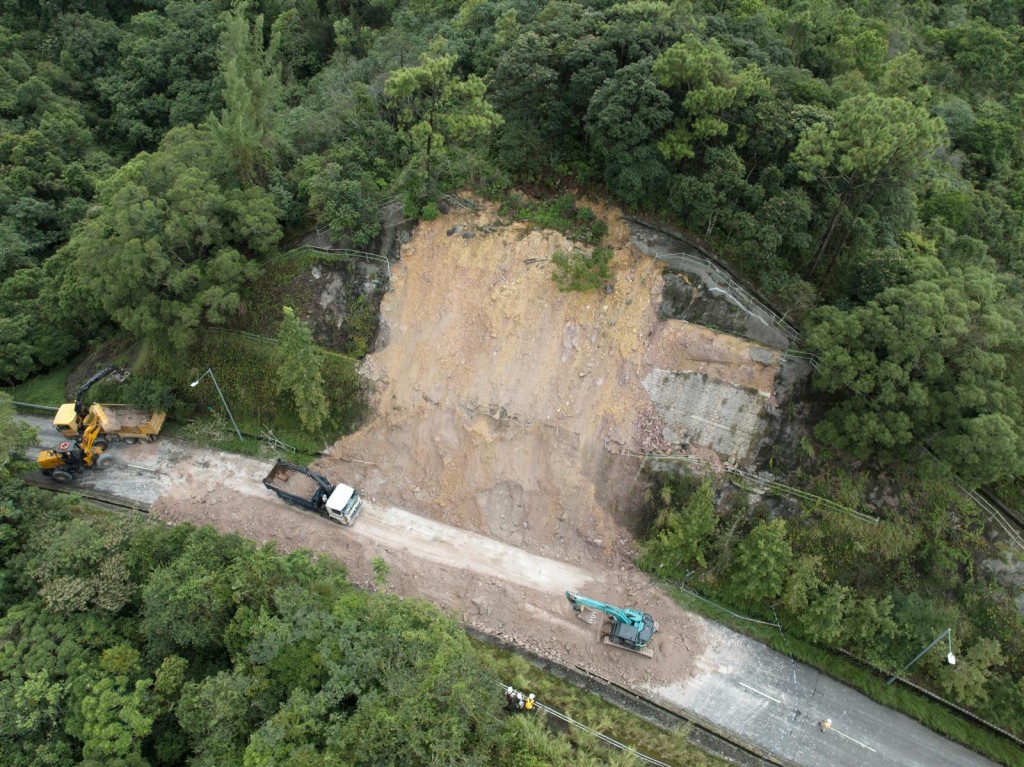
<point>167,246</point>
<point>134,643</point>
<point>436,114</point>
<point>926,363</point>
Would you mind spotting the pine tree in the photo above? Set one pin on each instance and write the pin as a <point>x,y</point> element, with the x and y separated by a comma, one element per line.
<point>301,371</point>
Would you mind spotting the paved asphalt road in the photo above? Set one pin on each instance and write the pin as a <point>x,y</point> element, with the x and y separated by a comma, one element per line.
<point>775,703</point>
<point>741,686</point>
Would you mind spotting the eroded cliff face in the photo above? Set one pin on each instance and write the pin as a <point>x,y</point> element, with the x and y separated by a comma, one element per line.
<point>505,406</point>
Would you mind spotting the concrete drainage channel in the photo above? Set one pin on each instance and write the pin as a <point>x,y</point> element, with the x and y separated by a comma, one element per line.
<point>708,739</point>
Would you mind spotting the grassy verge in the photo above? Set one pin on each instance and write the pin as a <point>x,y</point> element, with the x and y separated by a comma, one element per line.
<point>871,683</point>
<point>246,371</point>
<point>589,709</point>
<point>46,389</point>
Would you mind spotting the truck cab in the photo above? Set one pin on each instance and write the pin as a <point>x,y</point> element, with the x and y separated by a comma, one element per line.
<point>344,504</point>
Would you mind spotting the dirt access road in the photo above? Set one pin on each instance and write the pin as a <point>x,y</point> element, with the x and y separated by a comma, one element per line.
<point>480,581</point>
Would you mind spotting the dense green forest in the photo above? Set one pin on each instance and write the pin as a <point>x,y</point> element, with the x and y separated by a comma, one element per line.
<point>860,161</point>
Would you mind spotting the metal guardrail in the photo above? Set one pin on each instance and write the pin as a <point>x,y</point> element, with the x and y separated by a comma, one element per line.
<point>269,340</point>
<point>1004,510</point>
<point>640,757</point>
<point>701,256</point>
<point>459,202</point>
<point>738,294</point>
<point>763,755</point>
<point>994,513</point>
<point>241,334</point>
<point>764,485</point>
<point>728,746</point>
<point>34,406</point>
<point>990,509</point>
<point>347,252</point>
<point>963,711</point>
<point>809,357</point>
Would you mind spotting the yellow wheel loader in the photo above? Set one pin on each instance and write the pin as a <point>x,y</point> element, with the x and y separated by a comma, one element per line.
<point>71,458</point>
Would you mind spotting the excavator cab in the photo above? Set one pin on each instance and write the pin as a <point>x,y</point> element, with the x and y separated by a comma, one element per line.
<point>631,636</point>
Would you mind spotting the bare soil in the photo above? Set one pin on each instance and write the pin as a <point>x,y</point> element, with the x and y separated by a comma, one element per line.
<point>506,407</point>
<point>293,482</point>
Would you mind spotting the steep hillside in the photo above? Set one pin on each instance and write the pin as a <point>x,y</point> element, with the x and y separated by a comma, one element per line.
<point>507,407</point>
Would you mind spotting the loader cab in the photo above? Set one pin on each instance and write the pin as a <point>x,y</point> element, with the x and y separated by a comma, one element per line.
<point>66,455</point>
<point>67,421</point>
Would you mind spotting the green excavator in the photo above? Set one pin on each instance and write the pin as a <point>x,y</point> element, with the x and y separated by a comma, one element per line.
<point>629,630</point>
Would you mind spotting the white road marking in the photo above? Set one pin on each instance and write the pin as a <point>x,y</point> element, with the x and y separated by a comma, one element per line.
<point>764,694</point>
<point>862,745</point>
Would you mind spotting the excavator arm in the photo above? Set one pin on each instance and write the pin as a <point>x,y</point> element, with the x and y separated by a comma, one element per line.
<point>80,410</point>
<point>631,629</point>
<point>618,614</point>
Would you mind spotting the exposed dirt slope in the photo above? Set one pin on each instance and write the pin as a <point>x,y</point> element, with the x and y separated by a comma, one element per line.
<point>504,406</point>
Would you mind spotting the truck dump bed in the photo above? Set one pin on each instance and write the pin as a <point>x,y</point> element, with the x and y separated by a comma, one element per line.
<point>118,417</point>
<point>283,477</point>
<point>299,486</point>
<point>128,421</point>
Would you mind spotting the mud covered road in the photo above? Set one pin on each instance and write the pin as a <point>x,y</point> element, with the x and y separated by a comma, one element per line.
<point>700,668</point>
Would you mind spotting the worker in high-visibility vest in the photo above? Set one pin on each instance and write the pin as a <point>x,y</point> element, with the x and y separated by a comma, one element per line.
<point>528,705</point>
